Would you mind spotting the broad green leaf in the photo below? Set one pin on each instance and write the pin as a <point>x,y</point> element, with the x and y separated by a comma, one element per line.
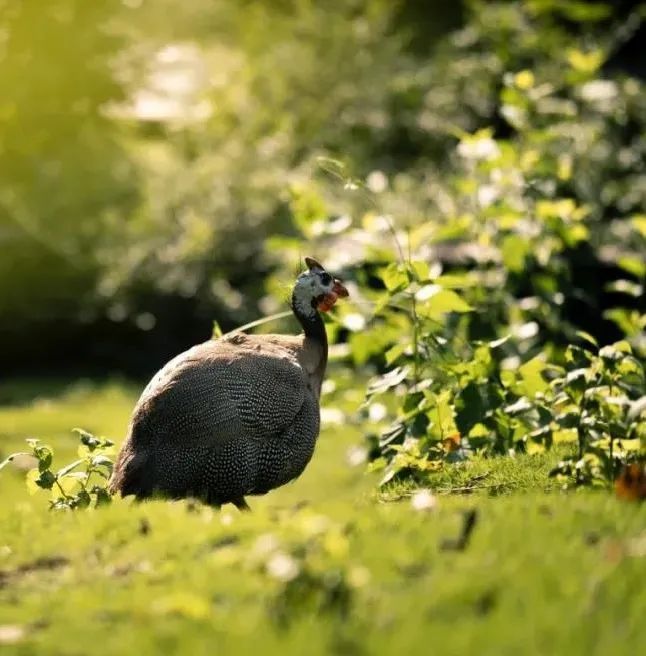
<point>436,302</point>
<point>393,353</point>
<point>585,62</point>
<point>68,468</point>
<point>46,480</point>
<point>32,476</point>
<point>102,461</point>
<point>514,252</point>
<point>70,484</point>
<point>634,265</point>
<point>530,373</point>
<point>587,337</point>
<point>420,269</point>
<point>615,352</point>
<point>626,287</point>
<point>395,277</point>
<point>455,281</point>
<point>639,223</point>
<point>44,459</point>
<point>89,440</point>
<point>518,407</point>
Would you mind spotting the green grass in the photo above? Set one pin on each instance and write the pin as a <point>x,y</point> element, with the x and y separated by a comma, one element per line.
<point>543,573</point>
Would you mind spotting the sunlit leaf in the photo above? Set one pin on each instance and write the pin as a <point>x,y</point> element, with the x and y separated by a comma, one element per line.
<point>532,380</point>
<point>436,302</point>
<point>395,277</point>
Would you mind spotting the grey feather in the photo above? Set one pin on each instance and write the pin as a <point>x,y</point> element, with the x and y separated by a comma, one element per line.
<point>222,420</point>
<point>234,416</point>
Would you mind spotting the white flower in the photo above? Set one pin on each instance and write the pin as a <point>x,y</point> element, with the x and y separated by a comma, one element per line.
<point>599,90</point>
<point>332,416</point>
<point>356,455</point>
<point>377,411</point>
<point>265,544</point>
<point>423,500</point>
<point>283,567</point>
<point>377,182</point>
<point>354,322</point>
<point>479,148</point>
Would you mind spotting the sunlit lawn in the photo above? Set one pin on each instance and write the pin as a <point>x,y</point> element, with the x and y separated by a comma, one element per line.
<point>320,566</point>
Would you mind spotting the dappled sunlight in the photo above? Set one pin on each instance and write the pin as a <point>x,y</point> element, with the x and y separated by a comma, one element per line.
<point>472,175</point>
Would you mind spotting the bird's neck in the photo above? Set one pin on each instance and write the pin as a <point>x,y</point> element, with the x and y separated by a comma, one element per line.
<point>315,335</point>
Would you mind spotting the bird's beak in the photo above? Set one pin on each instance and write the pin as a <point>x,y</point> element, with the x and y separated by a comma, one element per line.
<point>339,289</point>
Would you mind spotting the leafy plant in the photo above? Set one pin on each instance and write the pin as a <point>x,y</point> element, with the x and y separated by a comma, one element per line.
<point>593,399</point>
<point>79,484</point>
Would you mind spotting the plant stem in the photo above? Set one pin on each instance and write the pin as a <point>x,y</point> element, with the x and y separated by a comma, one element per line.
<point>60,487</point>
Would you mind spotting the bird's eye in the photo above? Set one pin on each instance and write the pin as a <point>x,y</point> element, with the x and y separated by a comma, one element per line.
<point>325,278</point>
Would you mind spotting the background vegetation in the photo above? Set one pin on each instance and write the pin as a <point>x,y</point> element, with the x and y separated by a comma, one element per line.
<point>476,172</point>
<point>145,162</point>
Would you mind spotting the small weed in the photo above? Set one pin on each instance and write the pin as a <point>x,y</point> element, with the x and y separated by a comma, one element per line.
<point>79,484</point>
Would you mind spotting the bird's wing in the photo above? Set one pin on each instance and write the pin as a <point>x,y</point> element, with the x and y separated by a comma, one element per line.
<point>222,390</point>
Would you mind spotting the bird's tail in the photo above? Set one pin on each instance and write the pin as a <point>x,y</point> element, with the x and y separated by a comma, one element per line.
<point>129,474</point>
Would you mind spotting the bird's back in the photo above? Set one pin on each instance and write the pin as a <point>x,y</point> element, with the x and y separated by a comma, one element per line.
<point>219,419</point>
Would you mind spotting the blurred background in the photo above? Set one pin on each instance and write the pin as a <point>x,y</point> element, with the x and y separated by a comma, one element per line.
<point>165,164</point>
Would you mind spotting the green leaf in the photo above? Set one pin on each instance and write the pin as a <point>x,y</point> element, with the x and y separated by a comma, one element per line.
<point>518,407</point>
<point>217,331</point>
<point>634,265</point>
<point>44,459</point>
<point>434,302</point>
<point>587,337</point>
<point>46,480</point>
<point>103,496</point>
<point>625,287</point>
<point>394,352</point>
<point>616,351</point>
<point>639,224</point>
<point>578,356</point>
<point>393,378</point>
<point>514,252</point>
<point>575,382</point>
<point>569,419</point>
<point>68,468</point>
<point>530,373</point>
<point>420,270</point>
<point>470,408</point>
<point>83,499</point>
<point>89,440</point>
<point>102,461</point>
<point>32,476</point>
<point>395,277</point>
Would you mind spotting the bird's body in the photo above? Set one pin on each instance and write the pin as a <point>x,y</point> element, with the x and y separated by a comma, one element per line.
<point>230,417</point>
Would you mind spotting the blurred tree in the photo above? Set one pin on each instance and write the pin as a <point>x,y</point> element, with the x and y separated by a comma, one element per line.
<point>61,166</point>
<point>149,148</point>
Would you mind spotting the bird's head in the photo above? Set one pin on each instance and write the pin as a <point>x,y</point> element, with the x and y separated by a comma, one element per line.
<point>316,289</point>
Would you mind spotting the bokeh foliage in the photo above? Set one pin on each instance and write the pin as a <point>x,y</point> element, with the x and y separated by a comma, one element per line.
<point>149,150</point>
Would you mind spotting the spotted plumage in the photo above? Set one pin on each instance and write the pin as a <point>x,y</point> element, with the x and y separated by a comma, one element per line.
<point>234,416</point>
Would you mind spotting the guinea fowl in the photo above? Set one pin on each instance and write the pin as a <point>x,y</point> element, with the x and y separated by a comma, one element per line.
<point>234,416</point>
